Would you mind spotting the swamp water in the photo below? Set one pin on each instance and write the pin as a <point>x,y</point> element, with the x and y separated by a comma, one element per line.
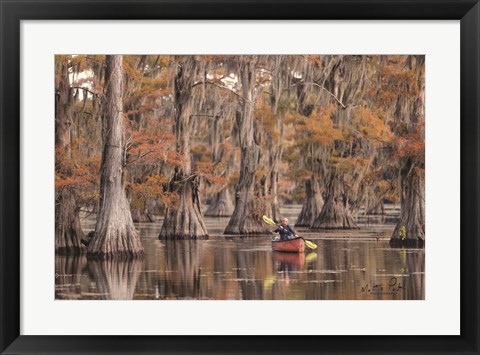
<point>347,265</point>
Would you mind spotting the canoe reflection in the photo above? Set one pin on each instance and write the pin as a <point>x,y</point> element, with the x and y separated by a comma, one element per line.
<point>292,259</point>
<point>288,262</point>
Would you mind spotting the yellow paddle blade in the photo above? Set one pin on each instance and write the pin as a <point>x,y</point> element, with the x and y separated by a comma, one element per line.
<point>310,244</point>
<point>268,283</point>
<point>268,220</point>
<point>311,257</point>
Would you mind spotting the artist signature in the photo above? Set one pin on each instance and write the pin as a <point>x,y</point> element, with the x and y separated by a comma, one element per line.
<point>392,287</point>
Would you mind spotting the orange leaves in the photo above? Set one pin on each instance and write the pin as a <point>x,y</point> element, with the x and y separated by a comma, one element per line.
<point>268,121</point>
<point>316,129</point>
<point>148,83</point>
<point>151,89</point>
<point>388,189</point>
<point>212,172</point>
<point>71,169</point>
<point>85,62</point>
<point>370,126</point>
<point>129,68</point>
<point>152,188</point>
<point>394,78</point>
<point>151,148</point>
<point>293,118</point>
<point>152,145</point>
<point>411,146</point>
<point>309,137</point>
<point>324,129</point>
<point>315,60</point>
<point>66,181</point>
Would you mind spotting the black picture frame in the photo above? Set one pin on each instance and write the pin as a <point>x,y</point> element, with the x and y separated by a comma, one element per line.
<point>13,12</point>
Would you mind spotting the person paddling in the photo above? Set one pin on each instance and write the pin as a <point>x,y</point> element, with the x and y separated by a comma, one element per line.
<point>285,230</point>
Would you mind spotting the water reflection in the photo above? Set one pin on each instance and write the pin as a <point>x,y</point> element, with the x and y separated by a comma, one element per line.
<point>415,283</point>
<point>69,271</point>
<point>287,260</point>
<point>287,265</point>
<point>348,267</point>
<point>77,278</point>
<point>115,279</point>
<point>180,268</point>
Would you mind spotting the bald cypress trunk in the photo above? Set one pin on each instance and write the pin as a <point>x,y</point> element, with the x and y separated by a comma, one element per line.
<point>313,202</point>
<point>221,205</point>
<point>273,208</point>
<point>410,111</point>
<point>142,214</point>
<point>249,208</point>
<point>184,220</point>
<point>376,209</point>
<point>312,205</point>
<point>115,235</point>
<point>141,210</point>
<point>335,213</point>
<point>63,107</point>
<point>346,81</point>
<point>68,230</point>
<point>410,229</point>
<point>275,155</point>
<point>275,138</point>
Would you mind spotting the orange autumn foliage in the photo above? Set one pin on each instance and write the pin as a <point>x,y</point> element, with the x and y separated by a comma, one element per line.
<point>75,171</point>
<point>212,172</point>
<point>153,148</point>
<point>154,187</point>
<point>395,79</point>
<point>317,129</point>
<point>371,126</point>
<point>267,120</point>
<point>411,146</point>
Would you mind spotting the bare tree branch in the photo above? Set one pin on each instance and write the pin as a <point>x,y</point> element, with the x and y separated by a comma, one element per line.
<point>221,87</point>
<point>84,89</point>
<point>323,88</point>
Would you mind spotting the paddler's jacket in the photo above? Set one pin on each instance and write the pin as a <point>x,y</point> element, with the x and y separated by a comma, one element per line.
<point>286,232</point>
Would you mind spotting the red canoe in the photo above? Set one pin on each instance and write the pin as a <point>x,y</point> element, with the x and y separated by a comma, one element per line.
<point>295,245</point>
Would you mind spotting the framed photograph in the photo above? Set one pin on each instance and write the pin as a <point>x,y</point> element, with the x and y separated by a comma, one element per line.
<point>237,177</point>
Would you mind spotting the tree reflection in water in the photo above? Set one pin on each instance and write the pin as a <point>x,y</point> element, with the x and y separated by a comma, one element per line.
<point>69,271</point>
<point>246,269</point>
<point>115,279</point>
<point>415,283</point>
<point>183,266</point>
